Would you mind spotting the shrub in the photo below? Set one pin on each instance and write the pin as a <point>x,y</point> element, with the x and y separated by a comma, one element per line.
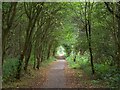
<point>101,70</point>
<point>9,68</point>
<point>108,73</point>
<point>46,62</point>
<point>31,60</point>
<point>81,61</point>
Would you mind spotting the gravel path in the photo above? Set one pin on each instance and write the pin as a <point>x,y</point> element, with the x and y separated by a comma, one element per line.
<point>56,77</point>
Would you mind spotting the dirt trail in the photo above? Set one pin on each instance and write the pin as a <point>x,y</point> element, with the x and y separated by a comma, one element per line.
<point>56,77</point>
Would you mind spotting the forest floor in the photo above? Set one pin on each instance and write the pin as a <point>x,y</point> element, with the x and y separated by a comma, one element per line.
<point>77,78</point>
<point>56,75</point>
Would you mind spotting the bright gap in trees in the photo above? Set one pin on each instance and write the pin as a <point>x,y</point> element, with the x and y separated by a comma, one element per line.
<point>61,51</point>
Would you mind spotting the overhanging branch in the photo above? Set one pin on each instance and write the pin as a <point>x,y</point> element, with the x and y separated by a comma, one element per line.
<point>110,10</point>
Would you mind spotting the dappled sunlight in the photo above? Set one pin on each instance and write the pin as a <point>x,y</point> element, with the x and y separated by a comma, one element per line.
<point>61,51</point>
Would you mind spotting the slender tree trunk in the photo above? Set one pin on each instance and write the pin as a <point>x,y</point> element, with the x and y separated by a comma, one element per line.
<point>34,59</point>
<point>28,53</point>
<point>75,58</point>
<point>19,66</point>
<point>54,51</point>
<point>39,54</point>
<point>88,33</point>
<point>90,49</point>
<point>49,49</point>
<point>38,61</point>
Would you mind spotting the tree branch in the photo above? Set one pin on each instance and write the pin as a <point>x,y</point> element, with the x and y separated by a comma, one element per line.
<point>110,10</point>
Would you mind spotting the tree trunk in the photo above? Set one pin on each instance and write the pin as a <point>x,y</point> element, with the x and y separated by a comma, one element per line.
<point>88,33</point>
<point>38,61</point>
<point>38,58</point>
<point>10,18</point>
<point>89,29</point>
<point>19,66</point>
<point>28,53</point>
<point>49,49</point>
<point>23,53</point>
<point>34,59</point>
<point>75,58</point>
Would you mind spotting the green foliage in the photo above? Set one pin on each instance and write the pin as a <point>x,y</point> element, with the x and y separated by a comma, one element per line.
<point>102,71</point>
<point>9,69</point>
<point>31,61</point>
<point>46,62</point>
<point>95,81</point>
<point>48,25</point>
<point>60,51</point>
<point>81,61</point>
<point>108,73</point>
<point>6,6</point>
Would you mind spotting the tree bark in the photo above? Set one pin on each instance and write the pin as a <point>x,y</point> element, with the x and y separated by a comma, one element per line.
<point>49,49</point>
<point>88,34</point>
<point>28,53</point>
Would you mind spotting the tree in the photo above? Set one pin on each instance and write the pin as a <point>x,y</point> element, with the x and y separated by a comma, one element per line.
<point>117,15</point>
<point>8,16</point>
<point>31,13</point>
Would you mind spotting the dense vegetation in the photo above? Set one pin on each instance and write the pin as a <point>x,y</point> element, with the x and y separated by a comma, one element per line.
<point>89,33</point>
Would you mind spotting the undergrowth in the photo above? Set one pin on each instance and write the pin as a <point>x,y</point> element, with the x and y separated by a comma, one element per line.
<point>9,68</point>
<point>105,72</point>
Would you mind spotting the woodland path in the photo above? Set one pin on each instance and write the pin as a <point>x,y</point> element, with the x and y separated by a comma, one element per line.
<point>56,76</point>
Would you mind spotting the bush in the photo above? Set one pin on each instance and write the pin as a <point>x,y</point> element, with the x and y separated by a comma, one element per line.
<point>108,73</point>
<point>103,71</point>
<point>31,61</point>
<point>81,61</point>
<point>9,69</point>
<point>46,62</point>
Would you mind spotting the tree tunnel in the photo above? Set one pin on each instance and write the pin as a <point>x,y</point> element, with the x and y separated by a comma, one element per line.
<point>33,33</point>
